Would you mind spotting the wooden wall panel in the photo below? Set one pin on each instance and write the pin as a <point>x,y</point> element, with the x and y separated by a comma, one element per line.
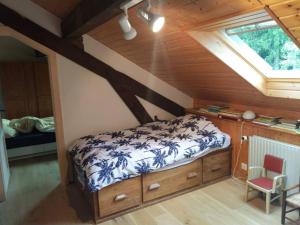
<point>43,92</point>
<point>26,89</point>
<point>238,129</point>
<point>17,89</point>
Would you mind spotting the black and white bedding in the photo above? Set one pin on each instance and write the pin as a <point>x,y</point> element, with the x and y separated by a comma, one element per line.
<point>111,157</point>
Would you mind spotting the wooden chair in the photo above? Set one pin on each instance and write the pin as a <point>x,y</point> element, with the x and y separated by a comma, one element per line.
<point>292,200</point>
<point>263,182</point>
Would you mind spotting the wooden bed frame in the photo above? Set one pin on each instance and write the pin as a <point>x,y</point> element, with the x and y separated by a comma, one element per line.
<point>138,192</point>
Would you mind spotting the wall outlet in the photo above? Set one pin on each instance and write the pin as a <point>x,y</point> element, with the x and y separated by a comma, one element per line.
<point>244,166</point>
<point>244,138</point>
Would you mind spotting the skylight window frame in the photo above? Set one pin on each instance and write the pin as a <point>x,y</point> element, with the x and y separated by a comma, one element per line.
<point>213,37</point>
<point>255,29</point>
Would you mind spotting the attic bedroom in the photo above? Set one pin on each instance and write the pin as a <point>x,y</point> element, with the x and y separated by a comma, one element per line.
<point>149,112</point>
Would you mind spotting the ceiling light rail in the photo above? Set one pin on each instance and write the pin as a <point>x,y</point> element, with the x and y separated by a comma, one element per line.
<point>154,20</point>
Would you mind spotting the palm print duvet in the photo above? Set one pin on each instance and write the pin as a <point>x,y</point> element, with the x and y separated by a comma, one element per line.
<point>110,157</point>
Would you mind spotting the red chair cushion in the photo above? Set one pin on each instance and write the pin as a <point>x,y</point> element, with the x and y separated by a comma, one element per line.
<point>273,163</point>
<point>263,182</point>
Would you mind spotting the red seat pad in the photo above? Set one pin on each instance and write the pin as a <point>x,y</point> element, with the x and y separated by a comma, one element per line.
<point>263,182</point>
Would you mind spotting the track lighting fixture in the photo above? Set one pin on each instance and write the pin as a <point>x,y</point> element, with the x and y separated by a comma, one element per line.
<point>128,31</point>
<point>155,21</point>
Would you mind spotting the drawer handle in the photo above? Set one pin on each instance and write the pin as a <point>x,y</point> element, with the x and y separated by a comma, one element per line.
<point>216,169</point>
<point>120,197</point>
<point>192,175</point>
<point>154,186</point>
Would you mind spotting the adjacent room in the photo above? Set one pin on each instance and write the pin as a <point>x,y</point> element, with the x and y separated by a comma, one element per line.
<point>150,112</point>
<point>28,129</point>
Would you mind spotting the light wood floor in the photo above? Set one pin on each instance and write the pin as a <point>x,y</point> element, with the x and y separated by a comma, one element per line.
<point>36,198</point>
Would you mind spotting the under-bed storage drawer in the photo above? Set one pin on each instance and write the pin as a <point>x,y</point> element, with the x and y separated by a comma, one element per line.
<point>166,182</point>
<point>216,166</point>
<point>120,196</point>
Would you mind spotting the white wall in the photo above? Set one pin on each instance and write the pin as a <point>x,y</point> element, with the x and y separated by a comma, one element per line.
<point>88,102</point>
<point>90,105</point>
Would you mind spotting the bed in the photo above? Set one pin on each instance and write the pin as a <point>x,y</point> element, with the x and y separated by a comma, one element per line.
<point>120,168</point>
<point>32,144</point>
<point>34,138</point>
<point>29,136</point>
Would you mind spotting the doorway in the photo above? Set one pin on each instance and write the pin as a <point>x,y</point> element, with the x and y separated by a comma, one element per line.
<point>25,101</point>
<point>27,112</point>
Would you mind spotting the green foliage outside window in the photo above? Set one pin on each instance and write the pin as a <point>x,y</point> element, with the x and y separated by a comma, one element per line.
<point>274,46</point>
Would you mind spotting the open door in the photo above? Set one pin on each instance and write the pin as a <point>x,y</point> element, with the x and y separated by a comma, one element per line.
<point>4,167</point>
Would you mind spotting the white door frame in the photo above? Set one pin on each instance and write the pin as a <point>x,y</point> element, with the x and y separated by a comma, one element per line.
<point>4,168</point>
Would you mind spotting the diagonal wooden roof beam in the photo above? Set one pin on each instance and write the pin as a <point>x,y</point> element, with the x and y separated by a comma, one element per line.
<point>89,14</point>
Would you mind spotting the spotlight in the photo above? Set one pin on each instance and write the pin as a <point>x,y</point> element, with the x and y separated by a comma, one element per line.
<point>128,31</point>
<point>155,21</point>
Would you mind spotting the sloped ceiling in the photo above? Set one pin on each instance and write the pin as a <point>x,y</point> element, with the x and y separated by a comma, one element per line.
<point>287,13</point>
<point>173,56</point>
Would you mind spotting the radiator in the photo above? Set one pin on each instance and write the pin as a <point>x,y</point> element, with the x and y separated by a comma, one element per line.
<point>259,146</point>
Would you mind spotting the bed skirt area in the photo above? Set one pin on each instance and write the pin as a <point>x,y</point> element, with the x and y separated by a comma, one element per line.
<point>31,151</point>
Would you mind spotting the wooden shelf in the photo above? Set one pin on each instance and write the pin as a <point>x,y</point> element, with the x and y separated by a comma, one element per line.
<point>248,123</point>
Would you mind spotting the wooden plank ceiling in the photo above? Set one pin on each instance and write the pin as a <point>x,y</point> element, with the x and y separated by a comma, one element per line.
<point>173,56</point>
<point>288,13</point>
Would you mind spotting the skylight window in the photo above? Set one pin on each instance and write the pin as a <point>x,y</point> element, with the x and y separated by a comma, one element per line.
<point>273,46</point>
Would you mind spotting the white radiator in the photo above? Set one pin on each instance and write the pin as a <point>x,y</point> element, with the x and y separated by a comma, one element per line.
<point>259,146</point>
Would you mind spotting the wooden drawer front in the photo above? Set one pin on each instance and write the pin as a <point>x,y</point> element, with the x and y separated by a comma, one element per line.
<point>216,166</point>
<point>166,182</point>
<point>120,196</point>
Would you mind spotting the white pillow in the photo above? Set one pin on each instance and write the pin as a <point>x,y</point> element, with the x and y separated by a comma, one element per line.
<point>8,131</point>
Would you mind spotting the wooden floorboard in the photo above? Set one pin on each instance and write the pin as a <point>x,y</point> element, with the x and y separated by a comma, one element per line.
<point>36,198</point>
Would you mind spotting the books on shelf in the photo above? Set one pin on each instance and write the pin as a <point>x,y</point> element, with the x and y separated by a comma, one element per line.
<point>221,111</point>
<point>278,123</point>
<point>286,124</point>
<point>230,114</point>
<point>266,120</point>
<point>269,121</point>
<point>283,128</point>
<point>216,108</point>
<point>205,111</point>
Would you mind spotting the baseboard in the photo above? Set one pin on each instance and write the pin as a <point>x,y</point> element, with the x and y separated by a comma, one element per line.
<point>31,151</point>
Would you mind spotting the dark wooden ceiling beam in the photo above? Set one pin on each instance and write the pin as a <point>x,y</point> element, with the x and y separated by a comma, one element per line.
<point>89,14</point>
<point>129,98</point>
